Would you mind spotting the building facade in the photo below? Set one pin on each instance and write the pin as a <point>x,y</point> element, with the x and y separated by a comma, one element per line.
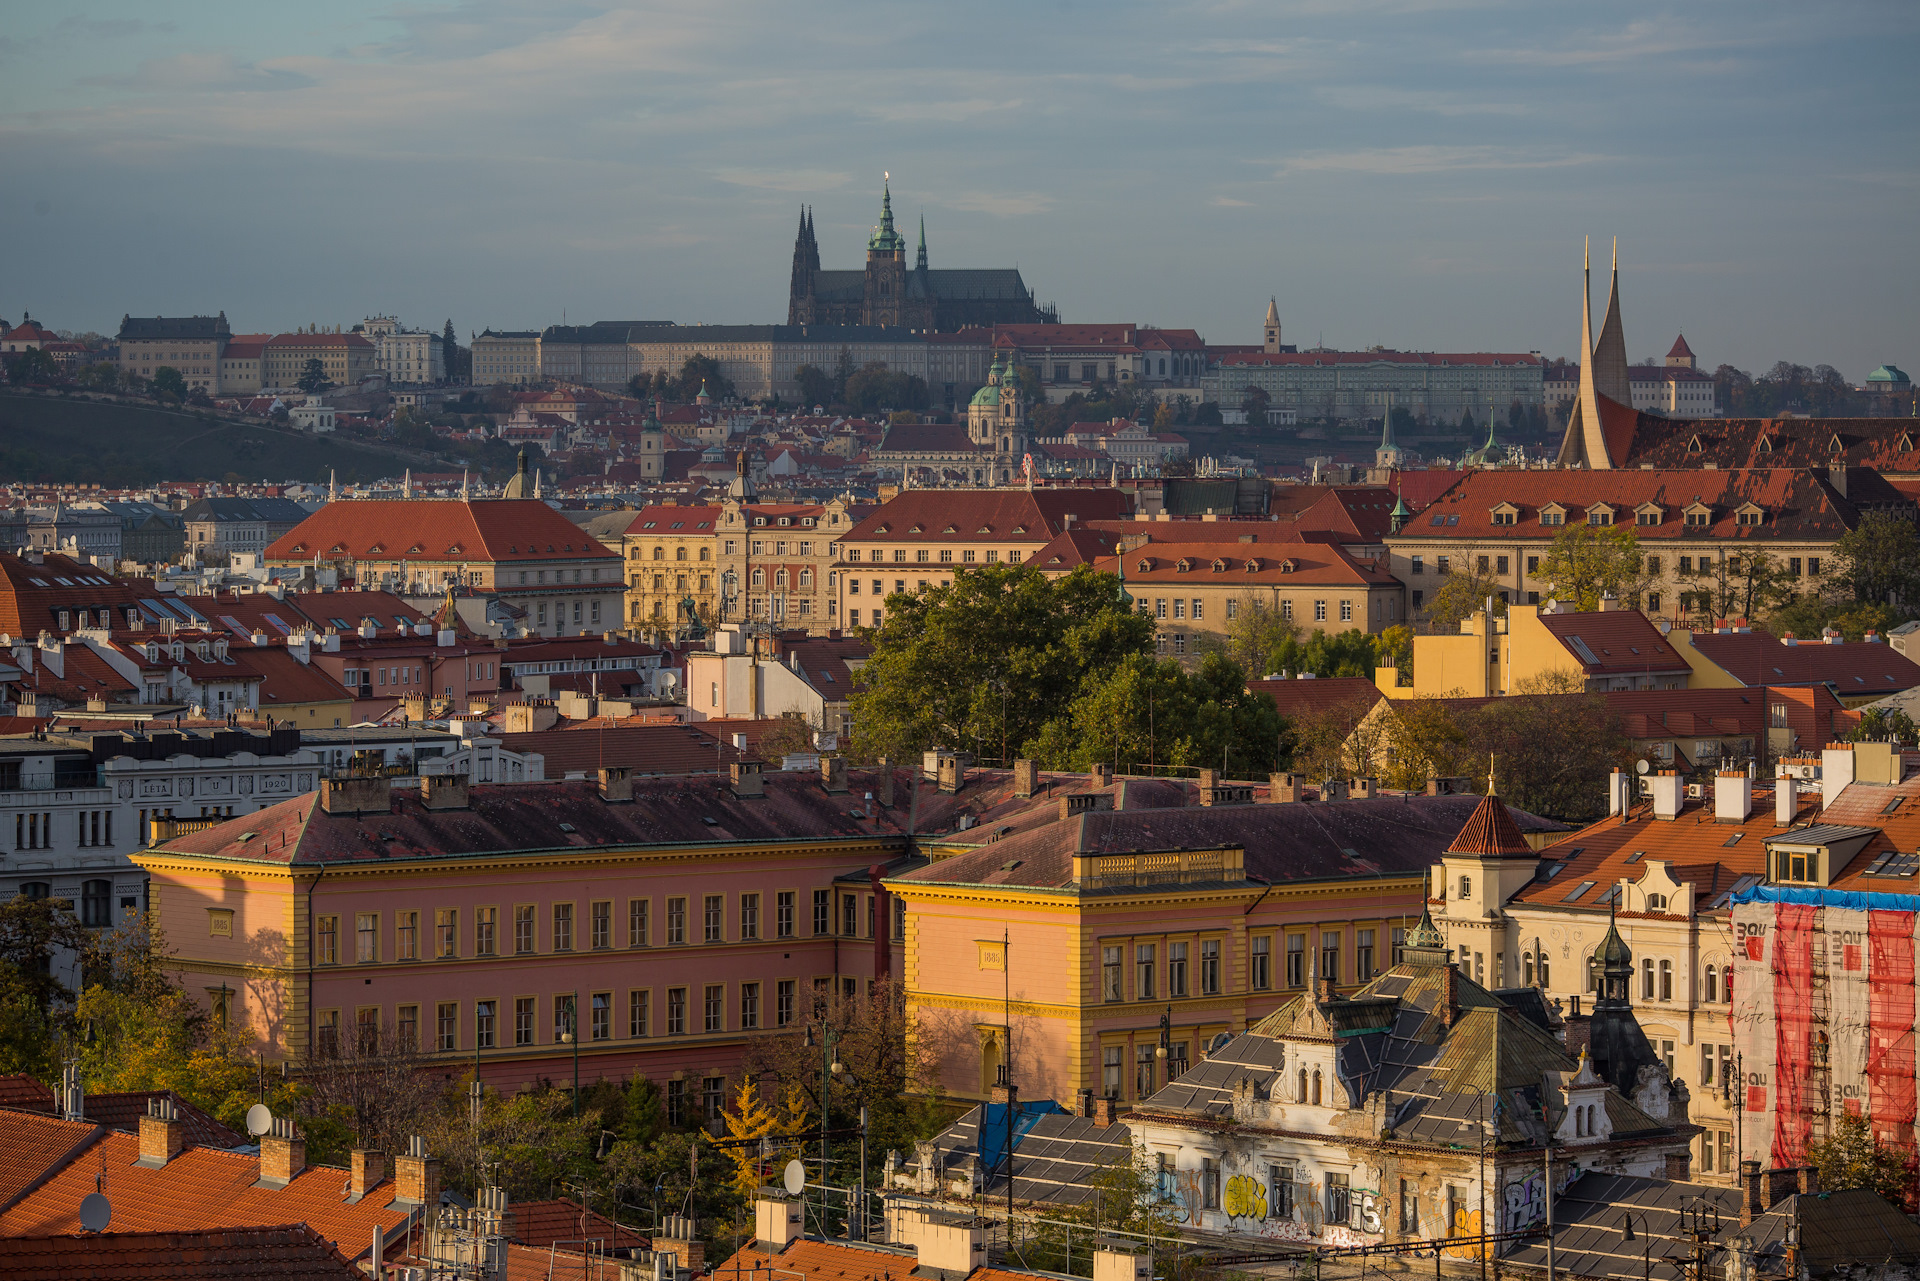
<point>776,561</point>
<point>344,359</point>
<point>1439,386</point>
<point>671,565</point>
<point>217,528</point>
<point>194,345</point>
<point>506,356</point>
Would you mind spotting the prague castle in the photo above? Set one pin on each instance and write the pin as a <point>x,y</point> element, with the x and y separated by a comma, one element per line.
<point>889,292</point>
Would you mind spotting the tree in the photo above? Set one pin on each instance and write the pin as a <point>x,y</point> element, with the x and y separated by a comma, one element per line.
<point>816,386</point>
<point>312,379</point>
<point>1327,654</point>
<point>168,384</point>
<point>793,735</point>
<point>1852,1156</point>
<point>1585,562</point>
<point>1878,561</point>
<point>753,1125</point>
<point>1253,403</point>
<point>1879,723</point>
<point>1395,646</point>
<point>34,934</point>
<point>697,373</point>
<point>1423,740</point>
<point>450,347</point>
<point>1464,592</point>
<point>990,657</point>
<point>1324,745</point>
<point>876,387</point>
<point>1552,751</point>
<point>1256,630</point>
<point>1148,713</point>
<point>101,375</point>
<point>1741,584</point>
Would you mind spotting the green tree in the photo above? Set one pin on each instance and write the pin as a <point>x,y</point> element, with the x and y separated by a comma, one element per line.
<point>312,379</point>
<point>99,376</point>
<point>1552,752</point>
<point>1878,723</point>
<point>1255,632</point>
<point>990,657</point>
<point>168,384</point>
<point>1852,1156</point>
<point>697,372</point>
<point>1423,740</point>
<point>1351,653</point>
<point>816,386</point>
<point>1147,714</point>
<point>33,934</point>
<point>1585,562</point>
<point>1463,592</point>
<point>1878,561</point>
<point>1740,584</point>
<point>876,387</point>
<point>1325,746</point>
<point>1395,645</point>
<point>1253,403</point>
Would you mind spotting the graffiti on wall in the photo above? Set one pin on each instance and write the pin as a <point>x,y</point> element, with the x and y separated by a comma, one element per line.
<point>1523,1203</point>
<point>1246,1198</point>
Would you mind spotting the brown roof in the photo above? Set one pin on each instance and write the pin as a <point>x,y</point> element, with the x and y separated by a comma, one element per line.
<point>965,515</point>
<point>527,817</point>
<point>1273,564</point>
<point>542,1223</point>
<point>1478,359</point>
<point>37,1144</point>
<point>18,1090</point>
<point>283,1252</point>
<point>643,749</point>
<point>33,595</point>
<point>657,519</point>
<point>1679,347</point>
<point>1491,832</point>
<point>122,1111</point>
<point>1885,444</point>
<point>1618,642</point>
<point>1759,658</point>
<point>1297,697</point>
<point>433,529</point>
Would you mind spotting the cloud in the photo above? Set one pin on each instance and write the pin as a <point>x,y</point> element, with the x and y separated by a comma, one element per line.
<point>1431,159</point>
<point>1360,97</point>
<point>1228,202</point>
<point>1004,204</point>
<point>1636,42</point>
<point>200,73</point>
<point>789,180</point>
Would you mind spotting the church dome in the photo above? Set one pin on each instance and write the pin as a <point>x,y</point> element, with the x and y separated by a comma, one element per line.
<point>986,397</point>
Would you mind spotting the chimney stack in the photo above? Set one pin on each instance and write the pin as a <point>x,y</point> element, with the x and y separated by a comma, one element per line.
<point>1753,1199</point>
<point>1103,1112</point>
<point>416,1176</point>
<point>1669,789</point>
<point>1026,778</point>
<point>367,1167</point>
<point>616,784</point>
<point>776,1221</point>
<point>1283,788</point>
<point>283,1154</point>
<point>745,776</point>
<point>1732,796</point>
<point>444,791</point>
<point>833,775</point>
<point>884,790</point>
<point>162,1134</point>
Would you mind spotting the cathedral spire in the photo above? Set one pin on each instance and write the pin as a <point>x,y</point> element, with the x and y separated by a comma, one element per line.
<point>920,260</point>
<point>885,238</point>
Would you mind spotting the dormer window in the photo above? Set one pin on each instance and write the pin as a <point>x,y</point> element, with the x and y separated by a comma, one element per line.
<point>1750,514</point>
<point>1553,514</point>
<point>1699,516</point>
<point>1184,565</point>
<point>1600,515</point>
<point>1656,902</point>
<point>1506,514</point>
<point>1797,867</point>
<point>1145,564</point>
<point>1220,566</point>
<point>1649,514</point>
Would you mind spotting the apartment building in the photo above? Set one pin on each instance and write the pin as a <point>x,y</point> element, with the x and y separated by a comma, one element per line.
<point>194,345</point>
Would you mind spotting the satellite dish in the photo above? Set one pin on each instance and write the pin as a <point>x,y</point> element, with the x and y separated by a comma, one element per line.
<point>795,1180</point>
<point>95,1212</point>
<point>259,1119</point>
<point>1641,767</point>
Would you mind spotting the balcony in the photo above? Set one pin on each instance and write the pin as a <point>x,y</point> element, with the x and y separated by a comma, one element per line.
<point>1158,868</point>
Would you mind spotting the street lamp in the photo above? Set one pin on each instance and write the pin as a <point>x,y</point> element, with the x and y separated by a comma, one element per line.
<point>830,1067</point>
<point>1480,1110</point>
<point>571,1035</point>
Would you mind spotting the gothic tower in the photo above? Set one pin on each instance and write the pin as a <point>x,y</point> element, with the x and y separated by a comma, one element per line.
<point>806,266</point>
<point>886,268</point>
<point>1271,330</point>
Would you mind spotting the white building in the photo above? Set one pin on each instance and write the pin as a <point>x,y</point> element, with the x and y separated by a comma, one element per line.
<point>314,415</point>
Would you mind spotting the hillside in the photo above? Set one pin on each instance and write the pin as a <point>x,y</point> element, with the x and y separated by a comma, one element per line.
<point>54,440</point>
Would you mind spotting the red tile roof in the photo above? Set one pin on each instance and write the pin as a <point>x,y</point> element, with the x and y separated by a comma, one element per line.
<point>1621,642</point>
<point>1296,698</point>
<point>1272,564</point>
<point>122,1111</point>
<point>437,530</point>
<point>1490,832</point>
<point>969,515</point>
<point>1478,359</point>
<point>807,1259</point>
<point>1798,504</point>
<point>200,1188</point>
<point>642,749</point>
<point>655,519</point>
<point>284,1252</point>
<point>1679,347</point>
<point>37,1144</point>
<point>1884,444</point>
<point>542,1223</point>
<point>18,1090</point>
<point>1856,670</point>
<point>32,596</point>
<point>1075,547</point>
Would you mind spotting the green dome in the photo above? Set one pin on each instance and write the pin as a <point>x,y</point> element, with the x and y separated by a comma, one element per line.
<point>988,396</point>
<point>1889,374</point>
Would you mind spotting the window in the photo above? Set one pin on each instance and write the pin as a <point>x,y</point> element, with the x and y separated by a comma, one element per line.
<point>712,1096</point>
<point>1813,570</point>
<point>1710,985</point>
<point>1143,966</point>
<point>783,914</point>
<point>1346,611</point>
<point>849,916</point>
<point>1399,945</point>
<point>1363,956</point>
<point>1666,980</point>
<point>483,930</point>
<point>1111,986</point>
<point>749,916</point>
<point>483,1024</point>
<point>822,911</point>
<point>326,940</point>
<point>1796,865</point>
<point>1442,564</point>
<point>600,1016</point>
<point>1330,955</point>
<point>406,936</point>
<point>366,938</point>
<point>1280,1192</point>
<point>676,1011</point>
<point>1646,978</point>
<point>1210,967</point>
<point>1260,967</point>
<point>1296,960</point>
<point>1142,1070</point>
<point>1481,564</point>
<point>1466,887</point>
<point>1339,1196</point>
<point>749,1005</point>
<point>676,921</point>
<point>1112,1064</point>
<point>446,1026</point>
<point>639,1012</point>
<point>1176,969</point>
<point>523,930</point>
<point>1409,1209</point>
<point>1209,1183</point>
<point>602,926</point>
<point>563,927</point>
<point>1233,610</point>
<point>637,922</point>
<point>1319,611</point>
<point>1418,565</point>
<point>714,1013</point>
<point>523,1020</point>
<point>783,996</point>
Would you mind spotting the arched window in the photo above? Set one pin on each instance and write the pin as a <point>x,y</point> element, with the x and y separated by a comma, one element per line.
<point>659,553</point>
<point>779,578</point>
<point>680,553</point>
<point>1316,1085</point>
<point>704,554</point>
<point>759,578</point>
<point>1710,988</point>
<point>1526,969</point>
<point>1543,969</point>
<point>1656,902</point>
<point>1579,1123</point>
<point>1303,1085</point>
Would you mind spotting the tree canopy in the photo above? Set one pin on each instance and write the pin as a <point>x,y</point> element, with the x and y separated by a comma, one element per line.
<point>1585,562</point>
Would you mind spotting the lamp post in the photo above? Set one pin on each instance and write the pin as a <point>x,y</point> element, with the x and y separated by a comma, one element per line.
<point>1481,1119</point>
<point>1163,1050</point>
<point>571,1035</point>
<point>830,1067</point>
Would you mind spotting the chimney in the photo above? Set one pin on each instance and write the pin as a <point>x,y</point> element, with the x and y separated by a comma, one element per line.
<point>1102,775</point>
<point>162,1134</point>
<point>746,779</point>
<point>366,1167</point>
<point>356,794</point>
<point>1004,1090</point>
<point>951,1245</point>
<point>1732,796</point>
<point>833,775</point>
<point>1110,1264</point>
<point>616,785</point>
<point>1836,771</point>
<point>1363,788</point>
<point>1617,793</point>
<point>1782,1183</point>
<point>1103,1112</point>
<point>885,782</point>
<point>446,637</point>
<point>678,1238</point>
<point>952,771</point>
<point>1576,1032</point>
<point>1668,789</point>
<point>776,1221</point>
<point>416,1176</point>
<point>1209,779</point>
<point>444,791</point>
<point>1026,778</point>
<point>283,1154</point>
<point>1334,789</point>
<point>1809,1182</point>
<point>1226,794</point>
<point>1753,1199</point>
<point>1283,788</point>
<point>1679,1166</point>
<point>1086,1103</point>
<point>1786,799</point>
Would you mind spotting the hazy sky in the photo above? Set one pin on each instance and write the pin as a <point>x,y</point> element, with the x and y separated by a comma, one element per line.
<point>1416,174</point>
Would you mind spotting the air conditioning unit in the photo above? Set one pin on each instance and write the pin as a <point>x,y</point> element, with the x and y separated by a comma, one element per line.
<point>1696,791</point>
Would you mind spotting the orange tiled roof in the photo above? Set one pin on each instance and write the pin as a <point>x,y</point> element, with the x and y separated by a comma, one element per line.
<point>433,530</point>
<point>200,1188</point>
<point>18,1090</point>
<point>1274,564</point>
<point>37,1143</point>
<point>285,1252</point>
<point>1491,832</point>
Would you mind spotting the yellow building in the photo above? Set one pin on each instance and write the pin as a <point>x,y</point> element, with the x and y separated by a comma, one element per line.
<point>344,358</point>
<point>670,553</point>
<point>1529,648</point>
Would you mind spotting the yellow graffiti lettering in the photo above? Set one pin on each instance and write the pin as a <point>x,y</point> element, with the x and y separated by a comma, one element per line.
<point>1466,1223</point>
<point>1245,1198</point>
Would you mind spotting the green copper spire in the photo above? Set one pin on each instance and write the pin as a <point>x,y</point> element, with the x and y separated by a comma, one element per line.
<point>885,238</point>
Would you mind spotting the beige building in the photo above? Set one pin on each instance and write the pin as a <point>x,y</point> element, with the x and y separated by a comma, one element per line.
<point>346,359</point>
<point>241,364</point>
<point>670,560</point>
<point>776,561</point>
<point>506,356</point>
<point>193,345</point>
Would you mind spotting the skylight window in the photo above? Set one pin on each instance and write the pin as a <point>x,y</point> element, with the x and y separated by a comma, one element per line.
<point>1636,856</point>
<point>1579,890</point>
<point>1732,840</point>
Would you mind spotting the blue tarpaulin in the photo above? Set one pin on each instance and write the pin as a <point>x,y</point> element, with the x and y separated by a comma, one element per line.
<point>1859,902</point>
<point>993,1128</point>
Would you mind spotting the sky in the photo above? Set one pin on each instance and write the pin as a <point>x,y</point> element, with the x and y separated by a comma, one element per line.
<point>1418,174</point>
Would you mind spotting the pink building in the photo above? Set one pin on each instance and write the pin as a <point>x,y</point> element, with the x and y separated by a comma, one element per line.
<point>670,919</point>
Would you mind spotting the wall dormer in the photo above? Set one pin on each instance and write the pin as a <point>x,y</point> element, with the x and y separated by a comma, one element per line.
<point>1583,1100</point>
<point>1649,514</point>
